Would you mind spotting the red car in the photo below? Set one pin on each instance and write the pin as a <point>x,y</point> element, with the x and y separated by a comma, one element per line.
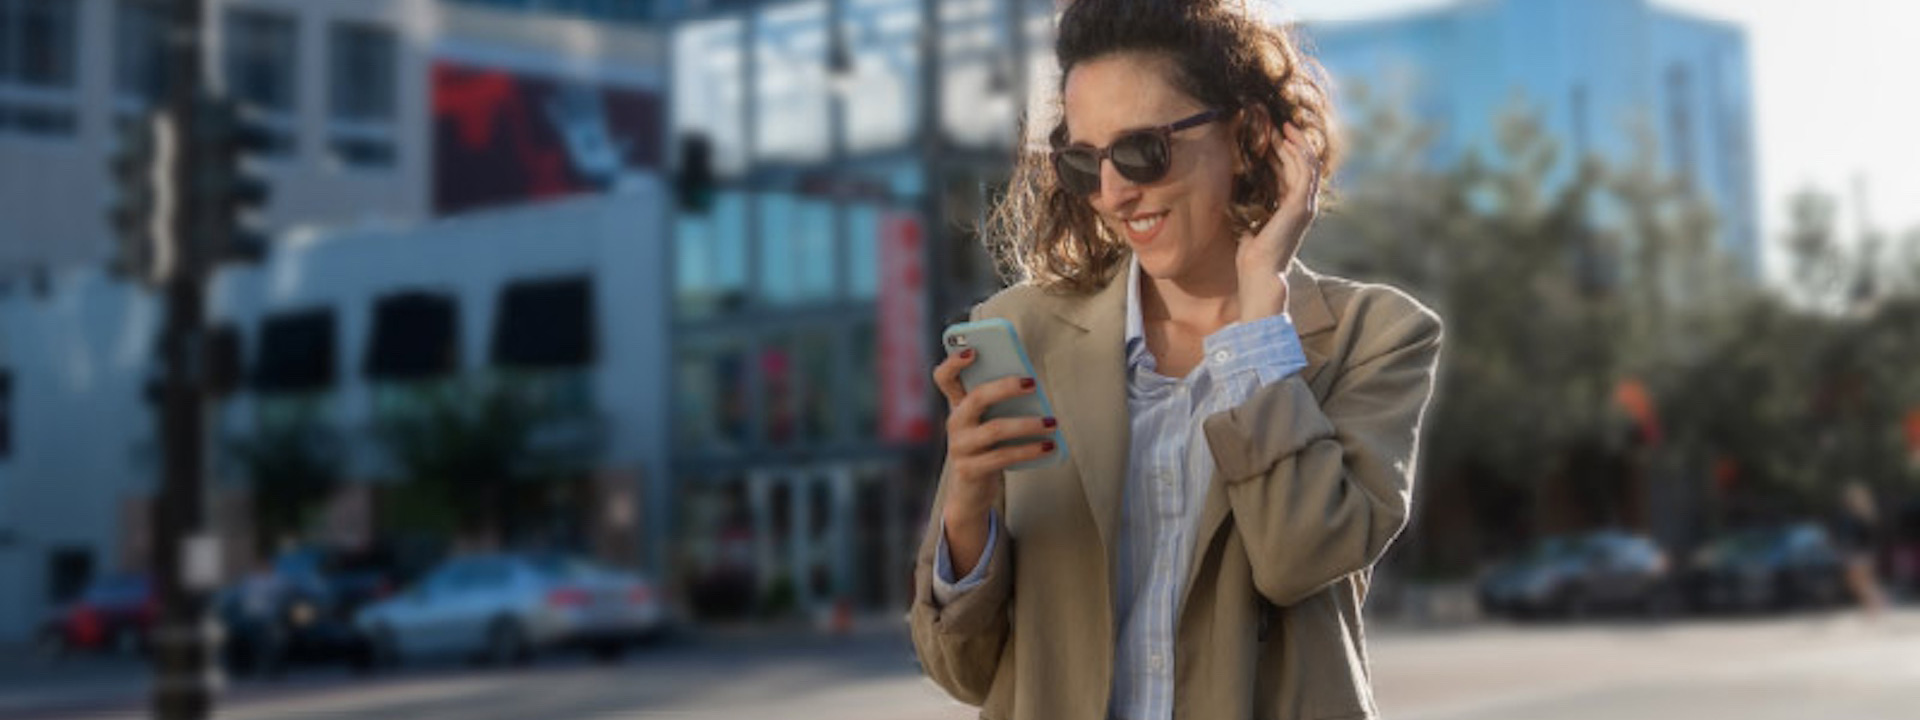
<point>115,613</point>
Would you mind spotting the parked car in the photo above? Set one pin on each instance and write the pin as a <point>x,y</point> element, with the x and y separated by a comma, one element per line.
<point>1769,568</point>
<point>505,608</point>
<point>301,610</point>
<point>1581,575</point>
<point>114,613</point>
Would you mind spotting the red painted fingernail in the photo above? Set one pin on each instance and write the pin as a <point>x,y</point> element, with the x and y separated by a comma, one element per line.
<point>1049,422</point>
<point>966,354</point>
<point>1046,446</point>
<point>1026,383</point>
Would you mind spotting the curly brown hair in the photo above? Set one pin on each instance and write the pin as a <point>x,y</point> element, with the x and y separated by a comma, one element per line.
<point>1221,53</point>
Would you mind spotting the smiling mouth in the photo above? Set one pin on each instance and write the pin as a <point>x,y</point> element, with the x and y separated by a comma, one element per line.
<point>1143,227</point>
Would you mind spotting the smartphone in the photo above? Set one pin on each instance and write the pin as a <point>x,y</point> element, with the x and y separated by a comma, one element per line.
<point>997,354</point>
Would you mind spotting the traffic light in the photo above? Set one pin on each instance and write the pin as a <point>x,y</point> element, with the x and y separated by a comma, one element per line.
<point>135,211</point>
<point>228,194</point>
<point>693,184</point>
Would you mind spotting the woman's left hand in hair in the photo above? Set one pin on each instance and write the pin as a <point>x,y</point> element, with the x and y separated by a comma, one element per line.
<point>1264,256</point>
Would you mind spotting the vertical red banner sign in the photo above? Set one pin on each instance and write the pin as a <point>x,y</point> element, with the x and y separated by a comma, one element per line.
<point>905,369</point>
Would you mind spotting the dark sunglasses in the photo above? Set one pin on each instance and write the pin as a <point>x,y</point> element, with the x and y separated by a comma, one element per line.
<point>1142,156</point>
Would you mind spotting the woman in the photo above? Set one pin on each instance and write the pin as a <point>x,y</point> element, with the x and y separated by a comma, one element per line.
<point>1856,534</point>
<point>1242,429</point>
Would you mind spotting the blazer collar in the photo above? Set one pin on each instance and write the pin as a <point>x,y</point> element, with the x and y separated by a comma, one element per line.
<point>1108,305</point>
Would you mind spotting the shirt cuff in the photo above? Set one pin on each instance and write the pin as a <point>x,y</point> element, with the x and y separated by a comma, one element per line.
<point>1268,347</point>
<point>945,588</point>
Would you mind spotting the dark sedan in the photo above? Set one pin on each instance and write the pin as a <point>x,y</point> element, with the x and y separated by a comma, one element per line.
<point>1772,568</point>
<point>1581,575</point>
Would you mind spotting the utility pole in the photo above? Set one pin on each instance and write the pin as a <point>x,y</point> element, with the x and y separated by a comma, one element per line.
<point>185,551</point>
<point>183,206</point>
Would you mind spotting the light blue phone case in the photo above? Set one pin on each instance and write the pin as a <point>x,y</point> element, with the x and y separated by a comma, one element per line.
<point>998,354</point>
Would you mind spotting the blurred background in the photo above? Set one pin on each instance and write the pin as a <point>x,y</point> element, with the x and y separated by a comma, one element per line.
<point>606,325</point>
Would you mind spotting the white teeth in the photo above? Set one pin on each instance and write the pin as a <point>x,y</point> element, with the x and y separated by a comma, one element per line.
<point>1144,224</point>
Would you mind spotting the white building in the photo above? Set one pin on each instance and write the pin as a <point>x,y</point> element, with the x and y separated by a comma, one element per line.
<point>397,119</point>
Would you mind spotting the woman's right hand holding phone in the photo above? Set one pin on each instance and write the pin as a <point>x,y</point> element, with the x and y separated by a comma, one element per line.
<point>975,467</point>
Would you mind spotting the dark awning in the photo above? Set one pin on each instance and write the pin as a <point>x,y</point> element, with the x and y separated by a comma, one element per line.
<point>296,352</point>
<point>416,335</point>
<point>545,324</point>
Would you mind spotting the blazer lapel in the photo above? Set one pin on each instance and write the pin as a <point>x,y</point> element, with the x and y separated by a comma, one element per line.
<point>1088,387</point>
<point>1311,317</point>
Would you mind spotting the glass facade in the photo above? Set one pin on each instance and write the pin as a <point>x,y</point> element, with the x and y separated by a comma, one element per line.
<point>790,489</point>
<point>615,10</point>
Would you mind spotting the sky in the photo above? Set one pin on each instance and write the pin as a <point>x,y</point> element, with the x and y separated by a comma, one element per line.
<point>1837,97</point>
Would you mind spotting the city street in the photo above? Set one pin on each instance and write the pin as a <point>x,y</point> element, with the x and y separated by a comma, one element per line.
<point>1827,666</point>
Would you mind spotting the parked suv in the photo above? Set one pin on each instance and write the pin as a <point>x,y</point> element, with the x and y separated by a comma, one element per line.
<point>300,610</point>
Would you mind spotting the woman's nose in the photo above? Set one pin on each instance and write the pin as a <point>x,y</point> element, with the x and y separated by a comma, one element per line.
<point>1115,189</point>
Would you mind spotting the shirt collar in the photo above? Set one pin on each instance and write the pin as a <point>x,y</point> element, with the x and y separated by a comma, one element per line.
<point>1136,334</point>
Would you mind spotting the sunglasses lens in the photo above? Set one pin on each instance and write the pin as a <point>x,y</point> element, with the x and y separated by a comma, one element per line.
<point>1078,170</point>
<point>1141,157</point>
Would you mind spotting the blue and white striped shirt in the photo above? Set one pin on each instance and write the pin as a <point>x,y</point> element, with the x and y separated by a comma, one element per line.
<point>1169,470</point>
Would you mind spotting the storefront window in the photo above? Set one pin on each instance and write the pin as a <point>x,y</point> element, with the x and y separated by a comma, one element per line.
<point>798,372</point>
<point>711,409</point>
<point>863,381</point>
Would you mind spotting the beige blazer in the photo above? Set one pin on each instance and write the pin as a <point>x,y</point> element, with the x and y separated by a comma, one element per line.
<point>1314,480</point>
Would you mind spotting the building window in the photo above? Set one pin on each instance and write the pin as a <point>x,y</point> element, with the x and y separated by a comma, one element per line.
<point>38,56</point>
<point>1582,144</point>
<point>798,375</point>
<point>711,258</point>
<point>363,77</point>
<point>139,60</point>
<point>863,252</point>
<point>6,414</point>
<point>261,52</point>
<point>863,386</point>
<point>1680,121</point>
<point>38,42</point>
<point>796,249</point>
<point>712,409</point>
<point>622,10</point>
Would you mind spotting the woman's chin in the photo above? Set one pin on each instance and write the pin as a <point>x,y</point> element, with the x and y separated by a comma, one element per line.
<point>1155,263</point>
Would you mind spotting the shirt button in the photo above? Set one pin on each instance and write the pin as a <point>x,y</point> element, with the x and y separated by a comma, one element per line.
<point>1158,662</point>
<point>1222,356</point>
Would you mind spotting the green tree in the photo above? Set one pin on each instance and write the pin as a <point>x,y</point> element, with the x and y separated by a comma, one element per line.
<point>293,468</point>
<point>1559,282</point>
<point>462,454</point>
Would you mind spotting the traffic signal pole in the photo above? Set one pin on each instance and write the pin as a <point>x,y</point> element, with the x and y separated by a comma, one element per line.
<point>186,551</point>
